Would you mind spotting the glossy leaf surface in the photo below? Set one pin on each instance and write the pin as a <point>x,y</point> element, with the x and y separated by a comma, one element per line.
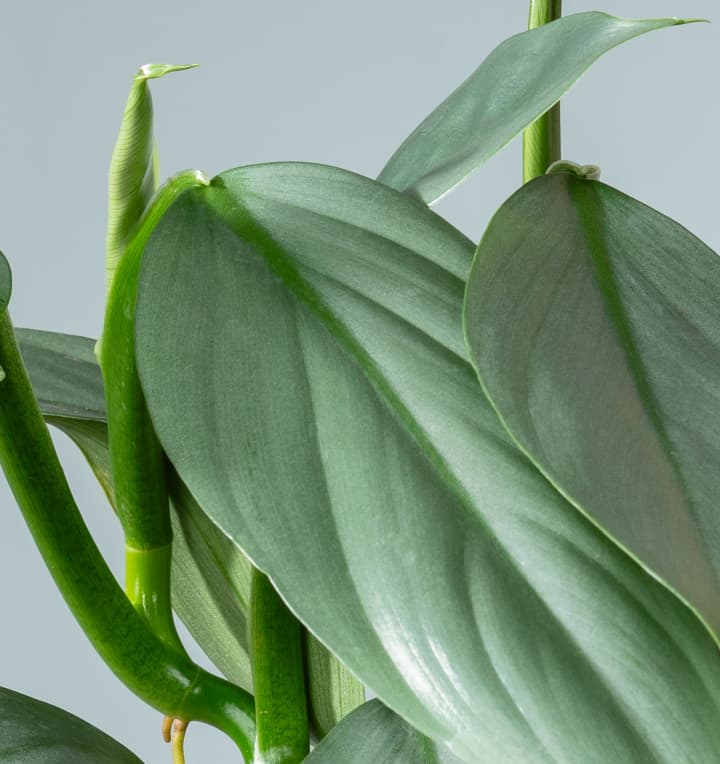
<point>594,324</point>
<point>300,345</point>
<point>373,733</point>
<point>518,82</point>
<point>33,732</point>
<point>210,576</point>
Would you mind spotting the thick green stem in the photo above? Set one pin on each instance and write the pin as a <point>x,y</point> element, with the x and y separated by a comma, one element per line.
<point>158,674</point>
<point>137,459</point>
<point>541,141</point>
<point>276,650</point>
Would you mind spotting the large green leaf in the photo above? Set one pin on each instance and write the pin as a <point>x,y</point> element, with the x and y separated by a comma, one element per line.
<point>594,324</point>
<point>518,82</point>
<point>210,575</point>
<point>33,732</point>
<point>299,342</point>
<point>373,733</point>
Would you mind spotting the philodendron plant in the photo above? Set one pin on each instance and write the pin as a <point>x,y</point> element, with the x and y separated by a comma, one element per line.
<point>357,453</point>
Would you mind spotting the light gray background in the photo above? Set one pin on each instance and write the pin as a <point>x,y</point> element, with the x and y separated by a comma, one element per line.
<point>325,81</point>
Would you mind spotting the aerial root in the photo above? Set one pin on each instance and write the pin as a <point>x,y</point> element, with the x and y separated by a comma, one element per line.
<point>173,731</point>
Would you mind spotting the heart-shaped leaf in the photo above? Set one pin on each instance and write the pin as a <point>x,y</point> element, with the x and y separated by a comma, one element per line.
<point>517,83</point>
<point>33,732</point>
<point>300,346</point>
<point>594,324</point>
<point>373,733</point>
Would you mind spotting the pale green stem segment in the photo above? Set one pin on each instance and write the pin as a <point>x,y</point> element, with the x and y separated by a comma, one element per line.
<point>332,691</point>
<point>137,459</point>
<point>158,674</point>
<point>147,585</point>
<point>133,168</point>
<point>541,141</point>
<point>276,652</point>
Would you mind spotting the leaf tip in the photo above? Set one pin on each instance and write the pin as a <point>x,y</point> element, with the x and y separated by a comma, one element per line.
<point>679,22</point>
<point>155,71</point>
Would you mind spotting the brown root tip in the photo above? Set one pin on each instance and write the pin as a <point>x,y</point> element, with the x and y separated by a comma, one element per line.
<point>167,724</point>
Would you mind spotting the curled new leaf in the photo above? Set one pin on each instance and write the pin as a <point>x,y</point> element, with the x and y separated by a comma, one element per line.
<point>133,176</point>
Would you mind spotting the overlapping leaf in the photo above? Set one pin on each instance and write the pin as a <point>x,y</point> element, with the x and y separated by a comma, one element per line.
<point>594,324</point>
<point>373,733</point>
<point>517,83</point>
<point>33,732</point>
<point>300,346</point>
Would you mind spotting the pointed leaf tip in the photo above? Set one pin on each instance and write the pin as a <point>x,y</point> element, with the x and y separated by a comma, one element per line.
<point>155,71</point>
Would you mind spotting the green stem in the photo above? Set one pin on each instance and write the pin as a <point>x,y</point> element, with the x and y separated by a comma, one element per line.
<point>276,651</point>
<point>137,459</point>
<point>541,141</point>
<point>158,674</point>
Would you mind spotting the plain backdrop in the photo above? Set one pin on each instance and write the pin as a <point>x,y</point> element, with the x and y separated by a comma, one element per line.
<point>325,81</point>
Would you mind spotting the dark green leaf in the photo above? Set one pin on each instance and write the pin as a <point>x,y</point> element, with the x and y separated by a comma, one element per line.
<point>33,732</point>
<point>517,83</point>
<point>300,346</point>
<point>373,733</point>
<point>5,282</point>
<point>594,324</point>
